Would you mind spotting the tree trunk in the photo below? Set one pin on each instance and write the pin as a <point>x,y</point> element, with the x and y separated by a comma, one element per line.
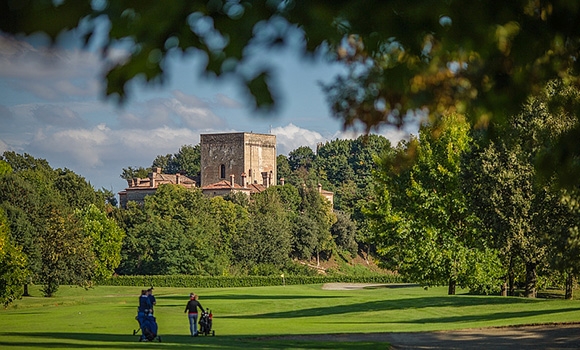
<point>504,289</point>
<point>569,286</point>
<point>368,253</point>
<point>317,258</point>
<point>26,293</point>
<point>512,287</point>
<point>452,285</point>
<point>530,291</point>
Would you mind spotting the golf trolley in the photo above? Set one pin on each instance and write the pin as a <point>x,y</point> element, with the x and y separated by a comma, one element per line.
<point>205,323</point>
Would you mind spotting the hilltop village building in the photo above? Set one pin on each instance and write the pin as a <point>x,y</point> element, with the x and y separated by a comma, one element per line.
<point>141,187</point>
<point>230,163</point>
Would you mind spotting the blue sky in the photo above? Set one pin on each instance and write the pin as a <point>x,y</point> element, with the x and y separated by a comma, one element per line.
<point>52,107</point>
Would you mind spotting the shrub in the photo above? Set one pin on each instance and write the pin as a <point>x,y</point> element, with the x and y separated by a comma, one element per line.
<point>248,281</point>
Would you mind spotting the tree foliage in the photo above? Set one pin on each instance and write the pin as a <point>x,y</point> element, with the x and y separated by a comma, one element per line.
<point>518,207</point>
<point>13,265</point>
<point>66,253</point>
<point>186,160</point>
<point>106,239</point>
<point>39,202</point>
<point>421,220</point>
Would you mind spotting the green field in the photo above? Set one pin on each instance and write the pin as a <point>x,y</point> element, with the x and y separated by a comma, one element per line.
<point>104,317</point>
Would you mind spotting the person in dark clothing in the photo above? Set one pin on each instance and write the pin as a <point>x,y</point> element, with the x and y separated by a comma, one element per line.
<point>151,298</point>
<point>191,308</point>
<point>144,303</point>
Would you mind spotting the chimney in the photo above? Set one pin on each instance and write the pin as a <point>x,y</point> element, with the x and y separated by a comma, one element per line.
<point>319,188</point>
<point>130,182</point>
<point>152,180</point>
<point>244,180</point>
<point>232,183</point>
<point>177,179</point>
<point>270,178</point>
<point>281,181</point>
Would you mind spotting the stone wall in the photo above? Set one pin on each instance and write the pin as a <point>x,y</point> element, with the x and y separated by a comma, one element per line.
<point>239,153</point>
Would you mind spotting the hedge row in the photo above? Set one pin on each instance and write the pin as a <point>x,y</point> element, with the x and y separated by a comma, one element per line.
<point>248,281</point>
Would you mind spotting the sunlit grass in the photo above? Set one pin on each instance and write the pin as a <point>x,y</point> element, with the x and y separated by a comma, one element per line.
<point>104,317</point>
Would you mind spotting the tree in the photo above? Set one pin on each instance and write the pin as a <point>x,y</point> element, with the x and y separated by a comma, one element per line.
<point>187,160</point>
<point>134,172</point>
<point>301,157</point>
<point>334,157</point>
<point>319,210</point>
<point>105,239</point>
<point>518,208</point>
<point>74,189</point>
<point>283,167</point>
<point>5,168</point>
<point>420,218</point>
<point>66,254</point>
<point>166,163</point>
<point>267,237</point>
<point>344,232</point>
<point>179,231</point>
<point>13,271</point>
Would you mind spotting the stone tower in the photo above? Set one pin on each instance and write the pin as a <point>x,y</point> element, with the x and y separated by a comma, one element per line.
<point>248,157</point>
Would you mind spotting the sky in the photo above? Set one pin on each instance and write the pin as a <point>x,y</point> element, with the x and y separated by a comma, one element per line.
<point>52,106</point>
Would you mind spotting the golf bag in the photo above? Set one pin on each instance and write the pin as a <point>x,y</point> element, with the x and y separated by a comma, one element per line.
<point>205,323</point>
<point>147,326</point>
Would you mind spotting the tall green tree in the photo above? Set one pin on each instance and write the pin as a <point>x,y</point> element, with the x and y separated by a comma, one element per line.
<point>177,232</point>
<point>344,233</point>
<point>421,221</point>
<point>13,265</point>
<point>301,157</point>
<point>186,160</point>
<point>267,237</point>
<point>66,254</point>
<point>105,239</point>
<point>134,172</point>
<point>319,210</point>
<point>519,208</point>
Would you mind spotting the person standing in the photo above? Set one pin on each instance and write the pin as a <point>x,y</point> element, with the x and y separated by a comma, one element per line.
<point>191,308</point>
<point>151,297</point>
<point>144,303</point>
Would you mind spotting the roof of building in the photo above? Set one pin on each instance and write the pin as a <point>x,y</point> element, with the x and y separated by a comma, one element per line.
<point>256,188</point>
<point>136,184</point>
<point>222,185</point>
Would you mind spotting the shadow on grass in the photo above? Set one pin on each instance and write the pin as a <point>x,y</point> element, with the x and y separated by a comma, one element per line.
<point>397,304</point>
<point>116,341</point>
<point>490,317</point>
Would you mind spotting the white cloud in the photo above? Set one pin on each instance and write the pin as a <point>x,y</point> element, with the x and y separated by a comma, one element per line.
<point>3,147</point>
<point>50,73</point>
<point>222,100</point>
<point>291,137</point>
<point>60,116</point>
<point>179,111</point>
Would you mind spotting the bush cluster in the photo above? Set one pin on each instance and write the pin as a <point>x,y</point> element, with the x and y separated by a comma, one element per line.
<point>247,281</point>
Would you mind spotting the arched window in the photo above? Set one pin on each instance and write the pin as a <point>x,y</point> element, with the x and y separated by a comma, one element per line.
<point>223,171</point>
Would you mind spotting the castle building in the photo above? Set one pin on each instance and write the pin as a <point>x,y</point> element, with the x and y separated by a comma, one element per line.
<point>231,163</point>
<point>139,188</point>
<point>249,157</point>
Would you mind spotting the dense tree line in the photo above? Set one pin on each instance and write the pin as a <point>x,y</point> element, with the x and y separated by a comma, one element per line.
<point>54,227</point>
<point>473,210</point>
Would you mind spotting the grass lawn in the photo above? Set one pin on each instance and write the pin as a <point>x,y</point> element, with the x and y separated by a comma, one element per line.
<point>104,317</point>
